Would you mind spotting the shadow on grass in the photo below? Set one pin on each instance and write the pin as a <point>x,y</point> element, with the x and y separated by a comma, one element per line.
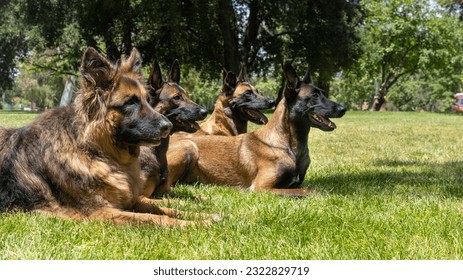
<point>396,176</point>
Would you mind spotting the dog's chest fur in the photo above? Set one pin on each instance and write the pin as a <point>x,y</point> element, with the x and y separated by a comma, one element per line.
<point>292,175</point>
<point>290,167</point>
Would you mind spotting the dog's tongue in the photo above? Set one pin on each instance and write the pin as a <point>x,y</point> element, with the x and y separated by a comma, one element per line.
<point>256,116</point>
<point>324,120</point>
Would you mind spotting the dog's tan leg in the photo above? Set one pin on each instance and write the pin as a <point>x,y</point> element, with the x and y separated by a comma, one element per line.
<point>182,159</point>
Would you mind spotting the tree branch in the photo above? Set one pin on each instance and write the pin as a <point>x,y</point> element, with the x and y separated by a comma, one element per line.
<point>56,70</point>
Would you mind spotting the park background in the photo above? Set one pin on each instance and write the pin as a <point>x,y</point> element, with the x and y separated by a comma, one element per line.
<point>388,183</point>
<point>406,55</point>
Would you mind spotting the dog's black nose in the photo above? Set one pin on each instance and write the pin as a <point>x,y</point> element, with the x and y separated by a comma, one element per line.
<point>341,110</point>
<point>165,126</point>
<point>203,112</point>
<point>271,102</point>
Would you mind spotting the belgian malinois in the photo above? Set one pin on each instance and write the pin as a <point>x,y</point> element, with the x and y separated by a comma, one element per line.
<point>238,103</point>
<point>171,100</point>
<point>81,161</point>
<point>273,158</point>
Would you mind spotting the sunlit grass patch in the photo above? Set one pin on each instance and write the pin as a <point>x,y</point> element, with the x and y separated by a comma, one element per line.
<point>388,187</point>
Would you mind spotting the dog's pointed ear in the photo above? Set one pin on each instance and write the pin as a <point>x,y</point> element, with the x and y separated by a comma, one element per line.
<point>307,78</point>
<point>174,75</point>
<point>292,81</point>
<point>290,75</point>
<point>98,75</point>
<point>229,83</point>
<point>96,70</point>
<point>133,63</point>
<point>155,78</point>
<point>242,77</point>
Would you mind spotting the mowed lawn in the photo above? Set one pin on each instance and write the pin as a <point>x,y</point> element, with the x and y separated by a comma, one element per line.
<point>388,185</point>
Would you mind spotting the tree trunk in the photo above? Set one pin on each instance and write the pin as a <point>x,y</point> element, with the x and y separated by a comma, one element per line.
<point>66,97</point>
<point>112,51</point>
<point>379,103</point>
<point>128,28</point>
<point>252,30</point>
<point>379,100</point>
<point>227,24</point>
<point>325,86</point>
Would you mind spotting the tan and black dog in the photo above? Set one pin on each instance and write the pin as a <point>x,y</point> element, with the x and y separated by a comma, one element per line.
<point>81,161</point>
<point>238,103</point>
<point>273,158</point>
<point>171,100</point>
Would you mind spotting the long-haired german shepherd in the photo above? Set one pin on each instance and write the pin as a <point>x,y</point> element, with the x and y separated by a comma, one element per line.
<point>81,161</point>
<point>273,158</point>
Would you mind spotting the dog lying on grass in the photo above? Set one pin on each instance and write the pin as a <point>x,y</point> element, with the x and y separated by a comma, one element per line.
<point>273,158</point>
<point>172,101</point>
<point>81,161</point>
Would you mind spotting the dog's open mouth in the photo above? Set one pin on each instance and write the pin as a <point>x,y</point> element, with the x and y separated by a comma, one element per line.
<point>182,125</point>
<point>322,122</point>
<point>150,142</point>
<point>254,116</point>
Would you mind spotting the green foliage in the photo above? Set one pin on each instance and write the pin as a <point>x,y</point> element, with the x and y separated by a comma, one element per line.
<point>422,93</point>
<point>44,91</point>
<point>360,43</point>
<point>264,33</point>
<point>266,86</point>
<point>202,91</point>
<point>13,44</point>
<point>411,51</point>
<point>322,34</point>
<point>386,189</point>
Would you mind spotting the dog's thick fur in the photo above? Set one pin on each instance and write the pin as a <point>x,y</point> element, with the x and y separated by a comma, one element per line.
<point>274,158</point>
<point>81,161</point>
<point>238,103</point>
<point>171,100</point>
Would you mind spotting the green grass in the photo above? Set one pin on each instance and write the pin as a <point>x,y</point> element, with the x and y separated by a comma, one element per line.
<point>389,187</point>
<point>16,118</point>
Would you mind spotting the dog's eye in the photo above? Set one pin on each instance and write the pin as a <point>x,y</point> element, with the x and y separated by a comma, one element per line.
<point>178,97</point>
<point>132,101</point>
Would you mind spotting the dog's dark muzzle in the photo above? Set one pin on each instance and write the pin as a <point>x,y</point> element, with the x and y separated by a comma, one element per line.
<point>320,118</point>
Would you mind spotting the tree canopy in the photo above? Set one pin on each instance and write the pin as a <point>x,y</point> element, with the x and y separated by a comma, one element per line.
<point>350,45</point>
<point>406,41</point>
<point>210,35</point>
